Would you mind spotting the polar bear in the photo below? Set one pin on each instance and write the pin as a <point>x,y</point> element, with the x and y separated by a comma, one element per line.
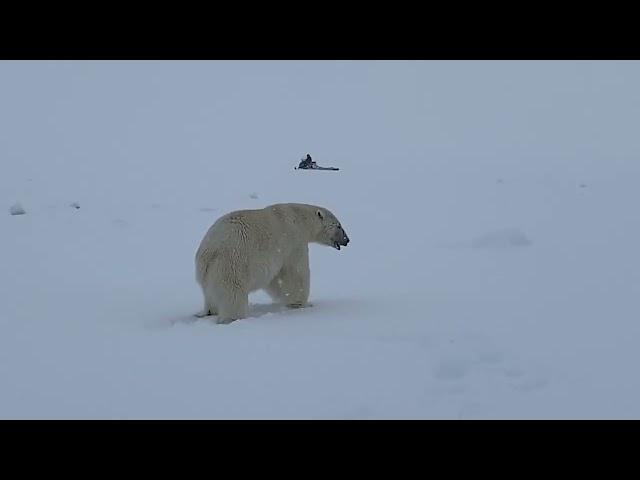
<point>249,250</point>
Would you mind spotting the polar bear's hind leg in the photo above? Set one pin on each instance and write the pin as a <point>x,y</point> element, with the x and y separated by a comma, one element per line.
<point>233,305</point>
<point>210,305</point>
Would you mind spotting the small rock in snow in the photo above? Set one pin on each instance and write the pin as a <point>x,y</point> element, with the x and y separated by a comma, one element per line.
<point>17,209</point>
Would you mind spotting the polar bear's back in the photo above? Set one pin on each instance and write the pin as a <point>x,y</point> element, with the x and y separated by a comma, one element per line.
<point>253,240</point>
<point>257,228</point>
<point>248,227</point>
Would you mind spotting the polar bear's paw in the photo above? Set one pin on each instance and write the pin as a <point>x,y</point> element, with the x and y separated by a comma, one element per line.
<point>299,305</point>
<point>225,321</point>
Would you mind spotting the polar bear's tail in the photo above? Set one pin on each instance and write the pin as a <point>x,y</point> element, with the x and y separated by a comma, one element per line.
<point>204,257</point>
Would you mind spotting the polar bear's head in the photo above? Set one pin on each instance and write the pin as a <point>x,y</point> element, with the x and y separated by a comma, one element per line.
<point>330,231</point>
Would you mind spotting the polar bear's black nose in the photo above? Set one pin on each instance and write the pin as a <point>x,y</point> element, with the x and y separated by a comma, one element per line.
<point>345,240</point>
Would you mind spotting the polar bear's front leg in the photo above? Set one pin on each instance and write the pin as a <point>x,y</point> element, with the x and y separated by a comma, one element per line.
<point>291,285</point>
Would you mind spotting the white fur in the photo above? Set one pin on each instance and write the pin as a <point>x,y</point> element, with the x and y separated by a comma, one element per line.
<point>249,250</point>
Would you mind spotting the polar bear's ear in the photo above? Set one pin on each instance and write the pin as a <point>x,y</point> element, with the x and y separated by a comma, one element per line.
<point>319,213</point>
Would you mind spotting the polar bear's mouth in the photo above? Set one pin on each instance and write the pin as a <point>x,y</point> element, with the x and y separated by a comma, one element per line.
<point>336,245</point>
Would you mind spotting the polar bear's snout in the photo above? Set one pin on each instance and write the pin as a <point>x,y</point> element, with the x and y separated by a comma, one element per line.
<point>342,239</point>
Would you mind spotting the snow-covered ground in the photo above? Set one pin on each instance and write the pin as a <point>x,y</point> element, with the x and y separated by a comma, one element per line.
<point>493,269</point>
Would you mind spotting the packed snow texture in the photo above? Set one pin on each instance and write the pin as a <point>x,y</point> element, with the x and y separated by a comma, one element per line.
<point>482,280</point>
